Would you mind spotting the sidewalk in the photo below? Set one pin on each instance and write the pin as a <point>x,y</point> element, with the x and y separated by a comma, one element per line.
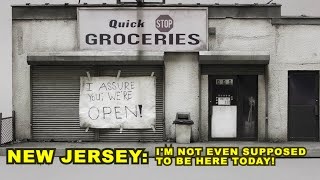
<point>313,148</point>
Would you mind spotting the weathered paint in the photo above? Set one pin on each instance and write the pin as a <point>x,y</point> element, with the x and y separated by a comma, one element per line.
<point>291,47</point>
<point>34,36</point>
<point>295,49</point>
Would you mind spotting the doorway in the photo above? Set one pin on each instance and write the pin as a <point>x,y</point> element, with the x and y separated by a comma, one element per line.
<point>303,106</point>
<point>233,107</point>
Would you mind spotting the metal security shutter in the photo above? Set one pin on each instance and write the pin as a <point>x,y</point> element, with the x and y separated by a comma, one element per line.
<point>136,134</point>
<point>55,103</point>
<point>243,69</point>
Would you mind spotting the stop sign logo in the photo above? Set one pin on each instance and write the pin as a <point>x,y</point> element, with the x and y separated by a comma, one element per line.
<point>164,23</point>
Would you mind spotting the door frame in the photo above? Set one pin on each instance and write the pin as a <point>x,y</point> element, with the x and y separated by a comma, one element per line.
<point>288,103</point>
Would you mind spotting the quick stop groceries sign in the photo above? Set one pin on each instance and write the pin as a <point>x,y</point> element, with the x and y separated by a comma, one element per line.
<point>150,29</point>
<point>111,102</point>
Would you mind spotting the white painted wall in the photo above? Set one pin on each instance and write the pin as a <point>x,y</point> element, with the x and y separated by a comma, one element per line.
<point>204,104</point>
<point>241,35</point>
<point>261,108</point>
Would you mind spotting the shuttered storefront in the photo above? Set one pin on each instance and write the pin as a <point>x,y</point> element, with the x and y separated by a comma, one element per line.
<point>55,104</point>
<point>134,134</point>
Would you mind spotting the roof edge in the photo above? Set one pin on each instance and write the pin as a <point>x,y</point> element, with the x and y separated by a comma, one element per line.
<point>296,20</point>
<point>147,5</point>
<point>52,12</point>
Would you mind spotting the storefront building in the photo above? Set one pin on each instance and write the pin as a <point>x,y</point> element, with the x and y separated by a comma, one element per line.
<point>243,72</point>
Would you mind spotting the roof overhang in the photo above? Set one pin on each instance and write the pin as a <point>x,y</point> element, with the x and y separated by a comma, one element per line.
<point>96,58</point>
<point>234,57</point>
<point>69,12</point>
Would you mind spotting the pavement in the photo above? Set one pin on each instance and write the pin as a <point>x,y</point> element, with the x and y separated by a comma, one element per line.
<point>313,148</point>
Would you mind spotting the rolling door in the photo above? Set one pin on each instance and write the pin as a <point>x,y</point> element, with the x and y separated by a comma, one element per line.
<point>136,134</point>
<point>55,104</point>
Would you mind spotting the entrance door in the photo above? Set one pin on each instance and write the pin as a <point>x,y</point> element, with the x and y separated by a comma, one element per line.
<point>233,112</point>
<point>248,108</point>
<point>303,107</point>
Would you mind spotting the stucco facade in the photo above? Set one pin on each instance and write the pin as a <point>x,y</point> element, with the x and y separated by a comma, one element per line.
<point>290,47</point>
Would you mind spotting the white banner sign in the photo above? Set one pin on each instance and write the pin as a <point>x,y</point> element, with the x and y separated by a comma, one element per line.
<point>111,102</point>
<point>152,29</point>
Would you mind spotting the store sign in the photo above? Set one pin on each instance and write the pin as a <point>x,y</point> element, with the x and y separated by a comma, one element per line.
<point>151,29</point>
<point>111,102</point>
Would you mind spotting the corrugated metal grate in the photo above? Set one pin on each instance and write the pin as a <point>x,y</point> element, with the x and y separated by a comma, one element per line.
<point>55,103</point>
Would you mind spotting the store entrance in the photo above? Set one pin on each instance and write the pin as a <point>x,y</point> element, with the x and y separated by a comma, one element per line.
<point>233,112</point>
<point>303,106</point>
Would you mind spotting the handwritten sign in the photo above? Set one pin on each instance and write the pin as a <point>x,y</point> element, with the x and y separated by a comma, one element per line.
<point>111,102</point>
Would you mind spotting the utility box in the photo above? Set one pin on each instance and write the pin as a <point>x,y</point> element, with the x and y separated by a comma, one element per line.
<point>183,125</point>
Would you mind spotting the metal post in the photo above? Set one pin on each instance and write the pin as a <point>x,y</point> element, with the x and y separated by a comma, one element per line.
<point>13,125</point>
